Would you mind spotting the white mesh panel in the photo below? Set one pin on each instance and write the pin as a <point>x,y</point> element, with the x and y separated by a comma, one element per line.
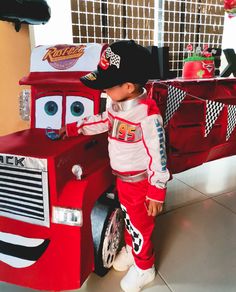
<point>111,20</point>
<point>189,22</point>
<point>171,23</point>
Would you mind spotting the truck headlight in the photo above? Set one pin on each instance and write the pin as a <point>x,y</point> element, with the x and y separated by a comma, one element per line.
<point>67,216</point>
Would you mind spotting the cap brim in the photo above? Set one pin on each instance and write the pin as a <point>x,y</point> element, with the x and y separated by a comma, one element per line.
<point>92,80</point>
<point>100,80</point>
<point>106,79</point>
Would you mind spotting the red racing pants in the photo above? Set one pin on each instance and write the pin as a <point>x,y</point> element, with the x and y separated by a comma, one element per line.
<point>139,226</point>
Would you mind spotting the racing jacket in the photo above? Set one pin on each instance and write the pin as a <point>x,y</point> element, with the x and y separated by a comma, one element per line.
<point>136,140</point>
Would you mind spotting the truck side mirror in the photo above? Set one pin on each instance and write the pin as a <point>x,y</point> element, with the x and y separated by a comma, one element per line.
<point>24,104</point>
<point>24,11</point>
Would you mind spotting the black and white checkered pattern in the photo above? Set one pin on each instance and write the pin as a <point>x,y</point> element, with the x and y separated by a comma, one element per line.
<point>137,238</point>
<point>213,109</point>
<point>114,58</point>
<point>231,122</point>
<point>174,98</point>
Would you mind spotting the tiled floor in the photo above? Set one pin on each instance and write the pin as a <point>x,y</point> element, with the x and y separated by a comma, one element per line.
<point>195,237</point>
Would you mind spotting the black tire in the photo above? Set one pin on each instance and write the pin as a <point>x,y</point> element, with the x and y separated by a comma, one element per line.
<point>107,230</point>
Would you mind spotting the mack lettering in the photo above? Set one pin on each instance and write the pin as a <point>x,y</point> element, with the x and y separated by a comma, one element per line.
<point>12,160</point>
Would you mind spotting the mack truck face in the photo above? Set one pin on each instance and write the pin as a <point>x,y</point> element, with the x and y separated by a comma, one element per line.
<point>45,226</point>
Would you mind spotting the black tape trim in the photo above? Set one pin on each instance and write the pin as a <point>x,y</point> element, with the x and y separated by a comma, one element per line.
<point>24,252</point>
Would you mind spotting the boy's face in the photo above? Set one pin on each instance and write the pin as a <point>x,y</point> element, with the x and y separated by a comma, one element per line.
<point>121,92</point>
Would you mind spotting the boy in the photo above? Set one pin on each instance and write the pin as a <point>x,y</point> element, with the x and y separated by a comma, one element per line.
<point>136,150</point>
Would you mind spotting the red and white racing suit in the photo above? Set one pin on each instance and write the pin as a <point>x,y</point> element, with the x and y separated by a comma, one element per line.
<point>138,158</point>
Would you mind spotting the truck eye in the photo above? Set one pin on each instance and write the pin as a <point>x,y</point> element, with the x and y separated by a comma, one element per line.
<point>51,108</point>
<point>77,108</point>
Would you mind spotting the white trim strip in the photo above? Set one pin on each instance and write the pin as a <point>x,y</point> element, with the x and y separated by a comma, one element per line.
<point>20,240</point>
<point>15,262</point>
<point>23,186</point>
<point>40,195</point>
<point>23,202</point>
<point>3,195</point>
<point>22,208</point>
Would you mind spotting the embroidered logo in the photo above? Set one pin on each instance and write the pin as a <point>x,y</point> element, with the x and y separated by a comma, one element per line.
<point>104,62</point>
<point>91,76</point>
<point>109,58</point>
<point>124,131</point>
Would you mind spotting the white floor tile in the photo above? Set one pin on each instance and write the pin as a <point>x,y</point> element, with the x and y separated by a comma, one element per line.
<point>180,194</point>
<point>212,178</point>
<point>228,200</point>
<point>96,283</point>
<point>108,283</point>
<point>111,282</point>
<point>196,248</point>
<point>4,287</point>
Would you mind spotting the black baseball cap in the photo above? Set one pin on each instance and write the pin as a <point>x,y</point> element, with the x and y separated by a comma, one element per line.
<point>123,61</point>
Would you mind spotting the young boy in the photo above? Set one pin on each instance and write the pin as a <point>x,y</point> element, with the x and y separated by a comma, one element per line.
<point>136,149</point>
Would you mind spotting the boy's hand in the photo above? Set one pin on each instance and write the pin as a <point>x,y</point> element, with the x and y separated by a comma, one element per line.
<point>154,208</point>
<point>62,132</point>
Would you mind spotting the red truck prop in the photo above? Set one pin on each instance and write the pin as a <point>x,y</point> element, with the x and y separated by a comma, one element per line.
<point>47,240</point>
<point>57,227</point>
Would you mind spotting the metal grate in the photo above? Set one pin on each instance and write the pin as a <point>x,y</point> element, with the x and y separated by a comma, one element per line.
<point>193,22</point>
<point>24,191</point>
<point>105,21</point>
<point>171,23</point>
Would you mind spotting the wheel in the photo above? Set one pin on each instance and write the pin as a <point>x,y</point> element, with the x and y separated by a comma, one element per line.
<point>107,229</point>
<point>112,238</point>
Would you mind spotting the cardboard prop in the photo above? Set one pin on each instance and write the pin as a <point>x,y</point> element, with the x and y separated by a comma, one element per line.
<point>48,214</point>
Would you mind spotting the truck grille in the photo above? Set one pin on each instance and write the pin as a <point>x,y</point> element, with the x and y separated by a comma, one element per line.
<point>24,189</point>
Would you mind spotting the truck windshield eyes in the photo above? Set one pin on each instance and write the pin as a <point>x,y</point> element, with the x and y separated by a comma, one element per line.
<point>51,108</point>
<point>77,108</point>
<point>48,112</point>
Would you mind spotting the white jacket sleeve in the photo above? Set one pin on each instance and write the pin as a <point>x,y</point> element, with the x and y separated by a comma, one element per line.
<point>154,143</point>
<point>91,125</point>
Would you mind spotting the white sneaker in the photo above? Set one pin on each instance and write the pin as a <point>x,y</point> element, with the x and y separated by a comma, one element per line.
<point>136,279</point>
<point>124,259</point>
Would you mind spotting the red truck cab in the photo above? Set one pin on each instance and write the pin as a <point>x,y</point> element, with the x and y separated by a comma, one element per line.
<point>48,215</point>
